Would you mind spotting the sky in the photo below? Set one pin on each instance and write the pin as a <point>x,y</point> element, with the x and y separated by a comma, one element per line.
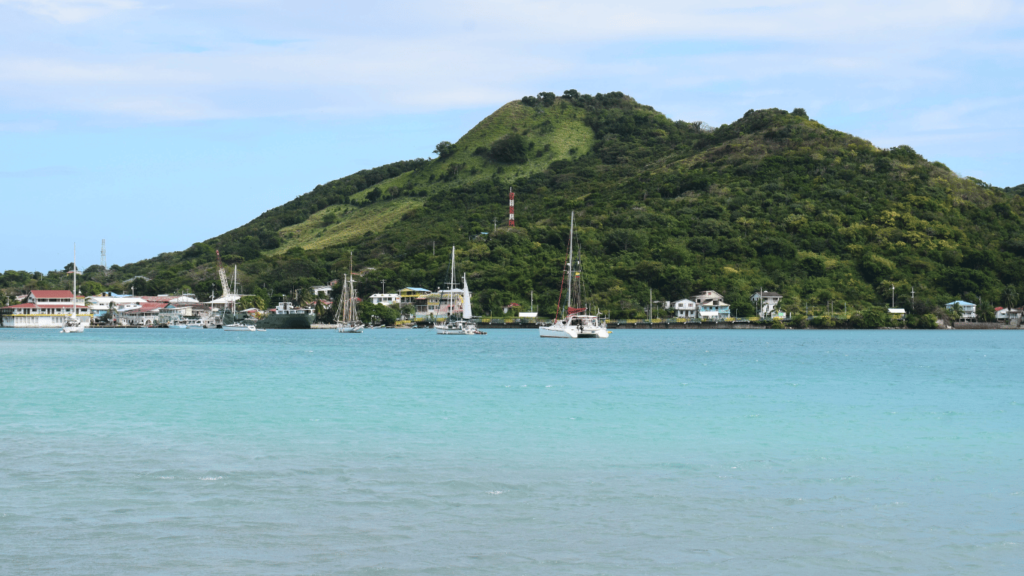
<point>154,125</point>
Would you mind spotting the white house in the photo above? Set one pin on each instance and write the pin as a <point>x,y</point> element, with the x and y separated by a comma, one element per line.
<point>44,309</point>
<point>968,311</point>
<point>322,290</point>
<point>767,303</point>
<point>684,308</point>
<point>711,306</point>
<point>385,299</point>
<point>1008,314</point>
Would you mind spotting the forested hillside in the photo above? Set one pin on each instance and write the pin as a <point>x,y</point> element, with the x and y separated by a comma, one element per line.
<point>773,200</point>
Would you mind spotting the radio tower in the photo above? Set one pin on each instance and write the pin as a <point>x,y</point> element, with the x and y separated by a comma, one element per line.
<point>511,208</point>
<point>103,253</point>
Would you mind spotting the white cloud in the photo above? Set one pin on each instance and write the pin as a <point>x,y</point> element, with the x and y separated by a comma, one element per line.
<point>71,11</point>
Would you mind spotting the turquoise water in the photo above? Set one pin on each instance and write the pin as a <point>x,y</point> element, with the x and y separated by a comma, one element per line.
<point>402,452</point>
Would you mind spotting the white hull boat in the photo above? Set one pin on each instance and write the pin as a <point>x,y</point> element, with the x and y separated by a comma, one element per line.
<point>576,323</point>
<point>457,328</point>
<point>240,328</point>
<point>350,328</point>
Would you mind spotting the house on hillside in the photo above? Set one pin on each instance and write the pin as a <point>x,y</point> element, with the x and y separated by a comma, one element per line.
<point>767,304</point>
<point>711,306</point>
<point>968,311</point>
<point>684,308</point>
<point>385,299</point>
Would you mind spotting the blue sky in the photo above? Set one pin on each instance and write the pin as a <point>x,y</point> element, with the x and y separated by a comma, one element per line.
<point>157,124</point>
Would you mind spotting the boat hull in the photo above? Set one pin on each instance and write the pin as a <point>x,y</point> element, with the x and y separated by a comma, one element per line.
<point>348,329</point>
<point>558,332</point>
<point>239,328</point>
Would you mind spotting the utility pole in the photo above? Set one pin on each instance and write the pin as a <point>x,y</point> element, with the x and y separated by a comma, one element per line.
<point>495,224</point>
<point>382,286</point>
<point>911,297</point>
<point>893,296</point>
<point>432,245</point>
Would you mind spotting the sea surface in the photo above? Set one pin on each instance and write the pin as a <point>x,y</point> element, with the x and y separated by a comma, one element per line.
<point>403,452</point>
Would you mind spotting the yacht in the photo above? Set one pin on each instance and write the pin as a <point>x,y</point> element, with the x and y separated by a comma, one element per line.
<point>72,324</point>
<point>576,323</point>
<point>456,322</point>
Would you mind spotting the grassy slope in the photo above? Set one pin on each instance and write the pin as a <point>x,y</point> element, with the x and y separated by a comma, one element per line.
<point>352,222</point>
<point>559,127</point>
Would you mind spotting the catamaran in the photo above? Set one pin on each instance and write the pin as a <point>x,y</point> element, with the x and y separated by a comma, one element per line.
<point>349,322</point>
<point>576,323</point>
<point>72,323</point>
<point>237,326</point>
<point>456,322</point>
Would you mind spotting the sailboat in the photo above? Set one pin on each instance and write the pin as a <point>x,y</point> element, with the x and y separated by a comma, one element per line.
<point>576,323</point>
<point>237,326</point>
<point>349,322</point>
<point>72,324</point>
<point>456,322</point>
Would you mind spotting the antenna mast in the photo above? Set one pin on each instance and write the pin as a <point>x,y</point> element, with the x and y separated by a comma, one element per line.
<point>511,208</point>
<point>103,253</point>
<point>223,276</point>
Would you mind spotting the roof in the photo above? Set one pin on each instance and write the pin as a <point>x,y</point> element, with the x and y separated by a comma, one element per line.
<point>768,294</point>
<point>416,289</point>
<point>961,302</point>
<point>29,305</point>
<point>147,307</point>
<point>51,293</point>
<point>897,311</point>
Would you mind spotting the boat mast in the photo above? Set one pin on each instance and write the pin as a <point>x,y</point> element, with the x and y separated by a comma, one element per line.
<point>74,280</point>
<point>451,290</point>
<point>568,298</point>
<point>234,290</point>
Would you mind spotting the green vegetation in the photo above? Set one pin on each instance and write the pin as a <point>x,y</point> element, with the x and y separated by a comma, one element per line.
<point>774,200</point>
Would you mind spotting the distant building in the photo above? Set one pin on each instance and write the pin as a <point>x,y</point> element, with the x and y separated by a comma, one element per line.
<point>897,313</point>
<point>146,315</point>
<point>684,308</point>
<point>385,299</point>
<point>767,303</point>
<point>968,311</point>
<point>44,309</point>
<point>711,306</point>
<point>322,290</point>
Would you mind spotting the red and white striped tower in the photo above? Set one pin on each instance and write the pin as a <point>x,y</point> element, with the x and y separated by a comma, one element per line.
<point>511,208</point>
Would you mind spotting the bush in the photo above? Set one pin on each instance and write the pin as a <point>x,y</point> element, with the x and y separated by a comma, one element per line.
<point>511,149</point>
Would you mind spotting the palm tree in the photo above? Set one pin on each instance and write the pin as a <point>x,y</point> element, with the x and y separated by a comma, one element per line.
<point>321,311</point>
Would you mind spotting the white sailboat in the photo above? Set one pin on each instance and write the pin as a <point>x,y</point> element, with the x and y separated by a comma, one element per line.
<point>237,326</point>
<point>457,323</point>
<point>349,322</point>
<point>72,324</point>
<point>576,323</point>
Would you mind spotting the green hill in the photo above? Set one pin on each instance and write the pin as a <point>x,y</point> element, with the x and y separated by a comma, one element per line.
<point>773,200</point>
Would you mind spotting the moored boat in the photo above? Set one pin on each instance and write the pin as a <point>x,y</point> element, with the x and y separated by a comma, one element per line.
<point>575,323</point>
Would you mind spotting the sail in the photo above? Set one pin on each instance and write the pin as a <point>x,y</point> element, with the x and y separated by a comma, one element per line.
<point>467,308</point>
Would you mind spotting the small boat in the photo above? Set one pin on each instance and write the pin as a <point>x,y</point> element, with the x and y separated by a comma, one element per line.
<point>349,322</point>
<point>178,324</point>
<point>456,322</point>
<point>195,324</point>
<point>72,325</point>
<point>576,323</point>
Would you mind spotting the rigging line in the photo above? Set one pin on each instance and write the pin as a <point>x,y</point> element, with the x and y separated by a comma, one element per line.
<point>558,305</point>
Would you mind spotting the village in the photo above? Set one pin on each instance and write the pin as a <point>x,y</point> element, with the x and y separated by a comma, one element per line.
<point>411,306</point>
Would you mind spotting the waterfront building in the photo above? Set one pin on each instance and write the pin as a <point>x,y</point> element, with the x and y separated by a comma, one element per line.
<point>711,306</point>
<point>146,315</point>
<point>409,295</point>
<point>385,299</point>
<point>44,309</point>
<point>968,311</point>
<point>767,303</point>
<point>684,308</point>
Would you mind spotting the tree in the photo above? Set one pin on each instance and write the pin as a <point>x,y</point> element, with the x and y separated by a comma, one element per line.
<point>444,149</point>
<point>320,310</point>
<point>252,301</point>
<point>510,149</point>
